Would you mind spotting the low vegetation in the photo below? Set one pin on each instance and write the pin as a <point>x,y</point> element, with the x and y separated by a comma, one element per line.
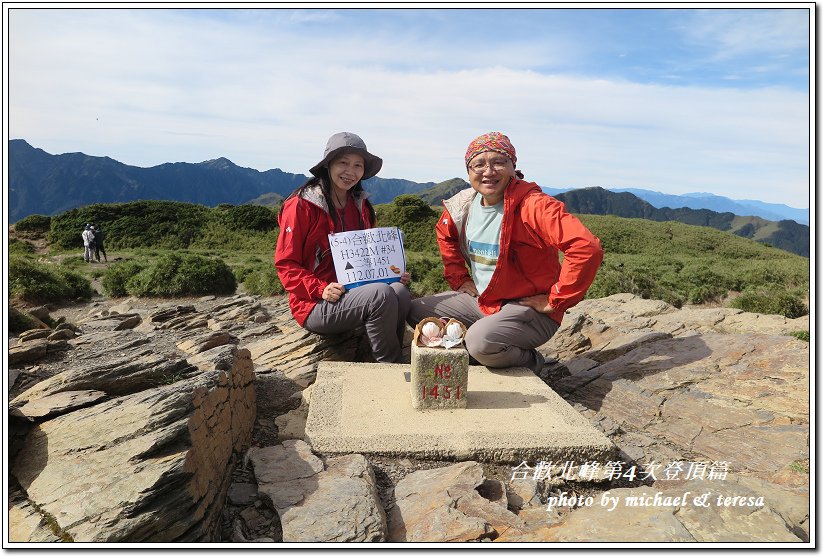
<point>171,249</point>
<point>170,275</point>
<point>34,223</point>
<point>40,282</point>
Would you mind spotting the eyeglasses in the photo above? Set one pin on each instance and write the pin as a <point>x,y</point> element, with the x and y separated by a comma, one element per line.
<point>497,165</point>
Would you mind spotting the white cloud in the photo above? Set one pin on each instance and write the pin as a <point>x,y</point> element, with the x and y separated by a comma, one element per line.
<point>748,31</point>
<point>148,87</point>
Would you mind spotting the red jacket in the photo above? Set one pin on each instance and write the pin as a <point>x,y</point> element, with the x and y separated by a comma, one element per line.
<point>302,255</point>
<point>534,229</point>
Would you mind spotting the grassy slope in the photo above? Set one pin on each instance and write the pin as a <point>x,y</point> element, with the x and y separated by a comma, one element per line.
<point>666,260</point>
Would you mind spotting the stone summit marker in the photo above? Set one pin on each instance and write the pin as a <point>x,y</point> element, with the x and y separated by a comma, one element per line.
<point>511,416</point>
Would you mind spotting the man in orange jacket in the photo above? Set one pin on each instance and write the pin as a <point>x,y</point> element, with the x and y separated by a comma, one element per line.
<point>499,242</point>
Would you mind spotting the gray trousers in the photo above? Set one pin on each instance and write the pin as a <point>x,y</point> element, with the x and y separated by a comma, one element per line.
<point>504,339</point>
<point>380,307</point>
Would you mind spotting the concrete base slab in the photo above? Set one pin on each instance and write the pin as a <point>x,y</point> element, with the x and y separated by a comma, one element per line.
<point>511,416</point>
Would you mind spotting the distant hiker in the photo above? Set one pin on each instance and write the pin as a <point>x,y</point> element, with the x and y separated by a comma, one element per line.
<point>499,241</point>
<point>88,243</point>
<point>99,236</point>
<point>334,201</point>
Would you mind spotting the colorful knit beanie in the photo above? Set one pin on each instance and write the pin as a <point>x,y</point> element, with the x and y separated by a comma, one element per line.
<point>492,141</point>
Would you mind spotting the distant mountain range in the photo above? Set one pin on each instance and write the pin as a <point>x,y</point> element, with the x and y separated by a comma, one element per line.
<point>42,183</point>
<point>785,234</point>
<point>743,207</point>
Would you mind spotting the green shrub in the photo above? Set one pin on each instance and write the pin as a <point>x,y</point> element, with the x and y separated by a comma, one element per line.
<point>20,246</point>
<point>264,282</point>
<point>415,218</point>
<point>801,335</point>
<point>247,217</point>
<point>218,237</point>
<point>182,275</point>
<point>620,278</point>
<point>427,274</point>
<point>157,224</point>
<point>43,283</point>
<point>242,272</point>
<point>34,223</point>
<point>117,275</point>
<point>776,302</point>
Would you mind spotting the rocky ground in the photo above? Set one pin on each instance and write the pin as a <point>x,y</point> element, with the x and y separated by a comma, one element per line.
<point>667,386</point>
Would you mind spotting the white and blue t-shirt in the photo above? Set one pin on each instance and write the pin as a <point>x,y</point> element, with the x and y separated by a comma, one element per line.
<point>483,238</point>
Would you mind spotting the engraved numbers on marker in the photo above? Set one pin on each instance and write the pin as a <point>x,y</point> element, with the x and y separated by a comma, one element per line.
<point>441,390</point>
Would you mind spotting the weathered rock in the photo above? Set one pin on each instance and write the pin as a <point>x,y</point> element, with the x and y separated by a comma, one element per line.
<point>219,357</point>
<point>13,375</point>
<point>792,507</point>
<point>339,504</point>
<point>639,517</point>
<point>292,425</point>
<point>443,504</point>
<point>125,306</point>
<point>25,319</point>
<point>118,377</point>
<point>41,312</point>
<point>263,330</point>
<point>252,311</point>
<point>34,350</point>
<point>25,523</point>
<point>297,352</point>
<point>664,384</point>
<point>202,343</point>
<point>242,493</point>
<point>33,334</point>
<point>112,322</point>
<point>522,493</point>
<point>179,317</point>
<point>655,389</point>
<point>248,523</point>
<point>174,447</point>
<point>56,404</point>
<point>167,313</point>
<point>62,334</point>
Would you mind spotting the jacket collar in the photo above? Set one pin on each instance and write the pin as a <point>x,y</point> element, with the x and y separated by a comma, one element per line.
<point>458,205</point>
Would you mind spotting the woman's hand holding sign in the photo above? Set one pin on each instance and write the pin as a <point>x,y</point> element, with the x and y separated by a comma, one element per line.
<point>333,292</point>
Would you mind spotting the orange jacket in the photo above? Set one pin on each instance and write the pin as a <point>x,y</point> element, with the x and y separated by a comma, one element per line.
<point>302,255</point>
<point>534,229</point>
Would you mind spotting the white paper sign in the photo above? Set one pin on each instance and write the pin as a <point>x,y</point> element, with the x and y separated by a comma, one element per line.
<point>371,255</point>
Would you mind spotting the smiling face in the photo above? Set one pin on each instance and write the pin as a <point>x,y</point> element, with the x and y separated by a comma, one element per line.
<point>345,171</point>
<point>489,174</point>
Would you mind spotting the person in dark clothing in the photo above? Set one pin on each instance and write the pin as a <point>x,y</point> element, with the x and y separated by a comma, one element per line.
<point>99,236</point>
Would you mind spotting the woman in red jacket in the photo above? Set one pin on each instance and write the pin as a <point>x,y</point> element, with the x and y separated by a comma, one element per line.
<point>499,241</point>
<point>330,202</point>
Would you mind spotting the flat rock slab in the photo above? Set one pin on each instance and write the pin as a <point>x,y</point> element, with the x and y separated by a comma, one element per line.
<point>511,416</point>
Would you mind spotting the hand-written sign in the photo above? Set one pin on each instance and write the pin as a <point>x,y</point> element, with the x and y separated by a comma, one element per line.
<point>371,255</point>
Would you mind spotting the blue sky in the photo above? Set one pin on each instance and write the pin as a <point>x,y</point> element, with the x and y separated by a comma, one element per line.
<point>674,99</point>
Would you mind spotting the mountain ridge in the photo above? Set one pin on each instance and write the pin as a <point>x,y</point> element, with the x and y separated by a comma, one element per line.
<point>42,183</point>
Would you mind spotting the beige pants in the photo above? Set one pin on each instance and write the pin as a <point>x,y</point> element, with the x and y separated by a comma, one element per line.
<point>504,339</point>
